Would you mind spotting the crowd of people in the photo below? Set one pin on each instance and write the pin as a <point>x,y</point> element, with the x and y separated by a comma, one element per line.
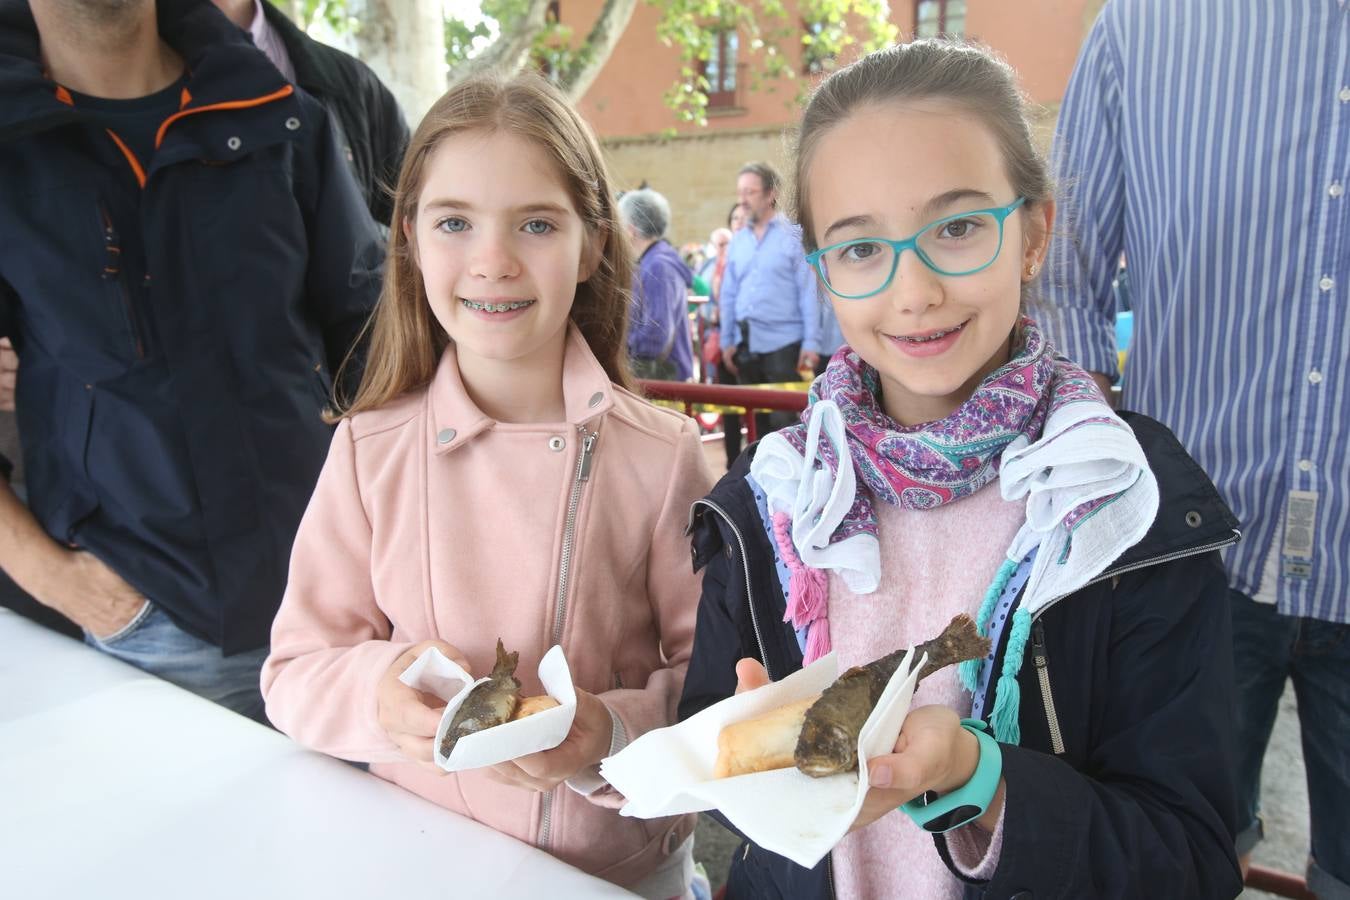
<point>303,395</point>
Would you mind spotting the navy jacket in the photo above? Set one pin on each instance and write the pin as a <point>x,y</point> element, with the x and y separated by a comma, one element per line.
<point>178,319</point>
<point>369,123</point>
<point>1135,798</point>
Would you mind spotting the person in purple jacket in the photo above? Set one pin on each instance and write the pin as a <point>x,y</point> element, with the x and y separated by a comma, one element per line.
<point>659,346</point>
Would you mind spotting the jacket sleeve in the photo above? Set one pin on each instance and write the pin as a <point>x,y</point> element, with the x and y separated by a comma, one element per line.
<point>330,639</point>
<point>346,259</point>
<point>1154,803</point>
<point>672,590</point>
<point>1082,264</point>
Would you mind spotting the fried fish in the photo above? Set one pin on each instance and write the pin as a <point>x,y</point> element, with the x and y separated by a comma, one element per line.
<point>828,743</point>
<point>490,704</point>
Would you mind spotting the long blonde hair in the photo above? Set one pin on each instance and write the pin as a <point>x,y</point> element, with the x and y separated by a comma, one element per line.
<point>406,340</point>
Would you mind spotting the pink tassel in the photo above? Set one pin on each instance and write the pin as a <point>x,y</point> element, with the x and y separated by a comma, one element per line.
<point>808,596</point>
<point>808,588</point>
<point>817,640</point>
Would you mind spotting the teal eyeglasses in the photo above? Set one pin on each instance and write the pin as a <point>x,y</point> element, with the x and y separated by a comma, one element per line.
<point>962,244</point>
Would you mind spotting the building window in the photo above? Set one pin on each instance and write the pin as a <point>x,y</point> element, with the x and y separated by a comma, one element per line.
<point>720,70</point>
<point>945,18</point>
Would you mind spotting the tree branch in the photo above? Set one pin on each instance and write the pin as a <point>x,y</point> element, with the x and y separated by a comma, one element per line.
<point>600,43</point>
<point>510,51</point>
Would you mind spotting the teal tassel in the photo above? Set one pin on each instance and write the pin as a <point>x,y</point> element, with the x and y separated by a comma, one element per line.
<point>1009,695</point>
<point>969,671</point>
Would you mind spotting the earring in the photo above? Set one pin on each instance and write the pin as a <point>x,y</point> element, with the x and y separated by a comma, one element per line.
<point>1031,271</point>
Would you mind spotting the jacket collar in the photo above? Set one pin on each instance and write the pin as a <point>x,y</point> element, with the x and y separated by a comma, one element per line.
<point>456,419</point>
<point>224,65</point>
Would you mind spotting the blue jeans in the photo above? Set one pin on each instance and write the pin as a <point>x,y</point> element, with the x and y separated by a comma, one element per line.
<point>1269,648</point>
<point>153,643</point>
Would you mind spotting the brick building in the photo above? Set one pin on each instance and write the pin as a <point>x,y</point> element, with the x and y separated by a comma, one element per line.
<point>748,117</point>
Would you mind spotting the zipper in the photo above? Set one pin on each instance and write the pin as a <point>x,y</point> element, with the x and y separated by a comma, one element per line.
<point>749,600</point>
<point>1152,561</point>
<point>1041,659</point>
<point>1043,675</point>
<point>583,474</point>
<point>112,271</point>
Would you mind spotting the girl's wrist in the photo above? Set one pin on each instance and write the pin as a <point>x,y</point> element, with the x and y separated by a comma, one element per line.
<point>965,759</point>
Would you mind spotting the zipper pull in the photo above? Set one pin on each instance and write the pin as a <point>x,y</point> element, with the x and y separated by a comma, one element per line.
<point>587,446</point>
<point>1038,645</point>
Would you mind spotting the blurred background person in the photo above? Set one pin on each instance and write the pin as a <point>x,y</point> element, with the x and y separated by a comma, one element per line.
<point>659,345</point>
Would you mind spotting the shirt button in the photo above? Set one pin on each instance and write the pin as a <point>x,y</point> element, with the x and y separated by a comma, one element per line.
<point>445,435</point>
<point>1305,465</point>
<point>556,444</point>
<point>1336,189</point>
<point>1344,94</point>
<point>1315,377</point>
<point>1326,283</point>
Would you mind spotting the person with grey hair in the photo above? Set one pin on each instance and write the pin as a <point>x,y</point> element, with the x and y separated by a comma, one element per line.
<point>659,345</point>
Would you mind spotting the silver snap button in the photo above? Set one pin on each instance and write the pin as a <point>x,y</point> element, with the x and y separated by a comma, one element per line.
<point>292,123</point>
<point>445,435</point>
<point>556,444</point>
<point>234,143</point>
<point>595,399</point>
<point>1193,519</point>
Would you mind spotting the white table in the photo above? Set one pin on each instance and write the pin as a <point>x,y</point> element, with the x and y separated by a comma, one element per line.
<point>116,784</point>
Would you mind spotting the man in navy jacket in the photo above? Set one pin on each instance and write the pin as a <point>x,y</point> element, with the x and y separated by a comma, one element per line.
<point>187,262</point>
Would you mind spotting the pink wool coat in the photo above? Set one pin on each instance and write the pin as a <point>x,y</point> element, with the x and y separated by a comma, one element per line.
<point>431,520</point>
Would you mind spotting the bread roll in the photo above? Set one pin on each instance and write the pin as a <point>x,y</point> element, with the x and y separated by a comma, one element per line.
<point>528,706</point>
<point>763,743</point>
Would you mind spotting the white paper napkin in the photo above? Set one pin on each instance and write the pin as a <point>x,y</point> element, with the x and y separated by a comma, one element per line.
<point>435,673</point>
<point>669,771</point>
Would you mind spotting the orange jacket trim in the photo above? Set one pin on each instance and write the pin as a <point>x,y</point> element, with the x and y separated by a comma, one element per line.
<point>231,104</point>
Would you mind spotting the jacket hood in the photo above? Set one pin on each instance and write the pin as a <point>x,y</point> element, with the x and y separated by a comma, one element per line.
<point>222,62</point>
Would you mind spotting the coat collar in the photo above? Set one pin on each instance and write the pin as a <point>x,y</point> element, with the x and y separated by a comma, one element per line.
<point>224,66</point>
<point>456,419</point>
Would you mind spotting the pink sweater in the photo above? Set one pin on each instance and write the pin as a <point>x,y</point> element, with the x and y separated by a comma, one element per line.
<point>934,564</point>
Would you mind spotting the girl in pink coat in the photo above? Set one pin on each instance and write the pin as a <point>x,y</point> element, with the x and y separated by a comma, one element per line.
<point>494,477</point>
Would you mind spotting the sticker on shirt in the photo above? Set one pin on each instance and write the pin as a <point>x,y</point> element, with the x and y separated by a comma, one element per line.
<point>1300,526</point>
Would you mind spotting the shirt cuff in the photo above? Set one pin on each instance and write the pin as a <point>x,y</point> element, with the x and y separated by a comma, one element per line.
<point>588,780</point>
<point>975,852</point>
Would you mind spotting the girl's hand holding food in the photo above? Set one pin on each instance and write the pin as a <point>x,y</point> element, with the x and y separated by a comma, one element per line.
<point>410,717</point>
<point>932,753</point>
<point>585,745</point>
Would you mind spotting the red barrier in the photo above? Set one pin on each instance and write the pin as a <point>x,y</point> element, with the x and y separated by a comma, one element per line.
<point>748,398</point>
<point>1281,884</point>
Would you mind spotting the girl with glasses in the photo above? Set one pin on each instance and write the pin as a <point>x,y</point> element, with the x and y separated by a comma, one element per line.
<point>951,461</point>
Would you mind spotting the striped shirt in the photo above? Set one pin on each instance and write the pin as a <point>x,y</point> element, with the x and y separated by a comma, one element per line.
<point>1209,140</point>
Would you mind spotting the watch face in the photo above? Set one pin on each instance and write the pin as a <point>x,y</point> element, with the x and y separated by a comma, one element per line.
<point>954,818</point>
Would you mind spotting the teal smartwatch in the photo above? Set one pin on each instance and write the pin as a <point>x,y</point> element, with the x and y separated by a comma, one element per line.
<point>968,802</point>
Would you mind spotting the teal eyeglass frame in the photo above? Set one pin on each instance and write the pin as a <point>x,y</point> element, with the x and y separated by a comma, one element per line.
<point>1000,214</point>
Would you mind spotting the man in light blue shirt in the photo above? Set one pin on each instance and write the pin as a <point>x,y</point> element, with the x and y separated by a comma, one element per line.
<point>768,305</point>
<point>1210,141</point>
